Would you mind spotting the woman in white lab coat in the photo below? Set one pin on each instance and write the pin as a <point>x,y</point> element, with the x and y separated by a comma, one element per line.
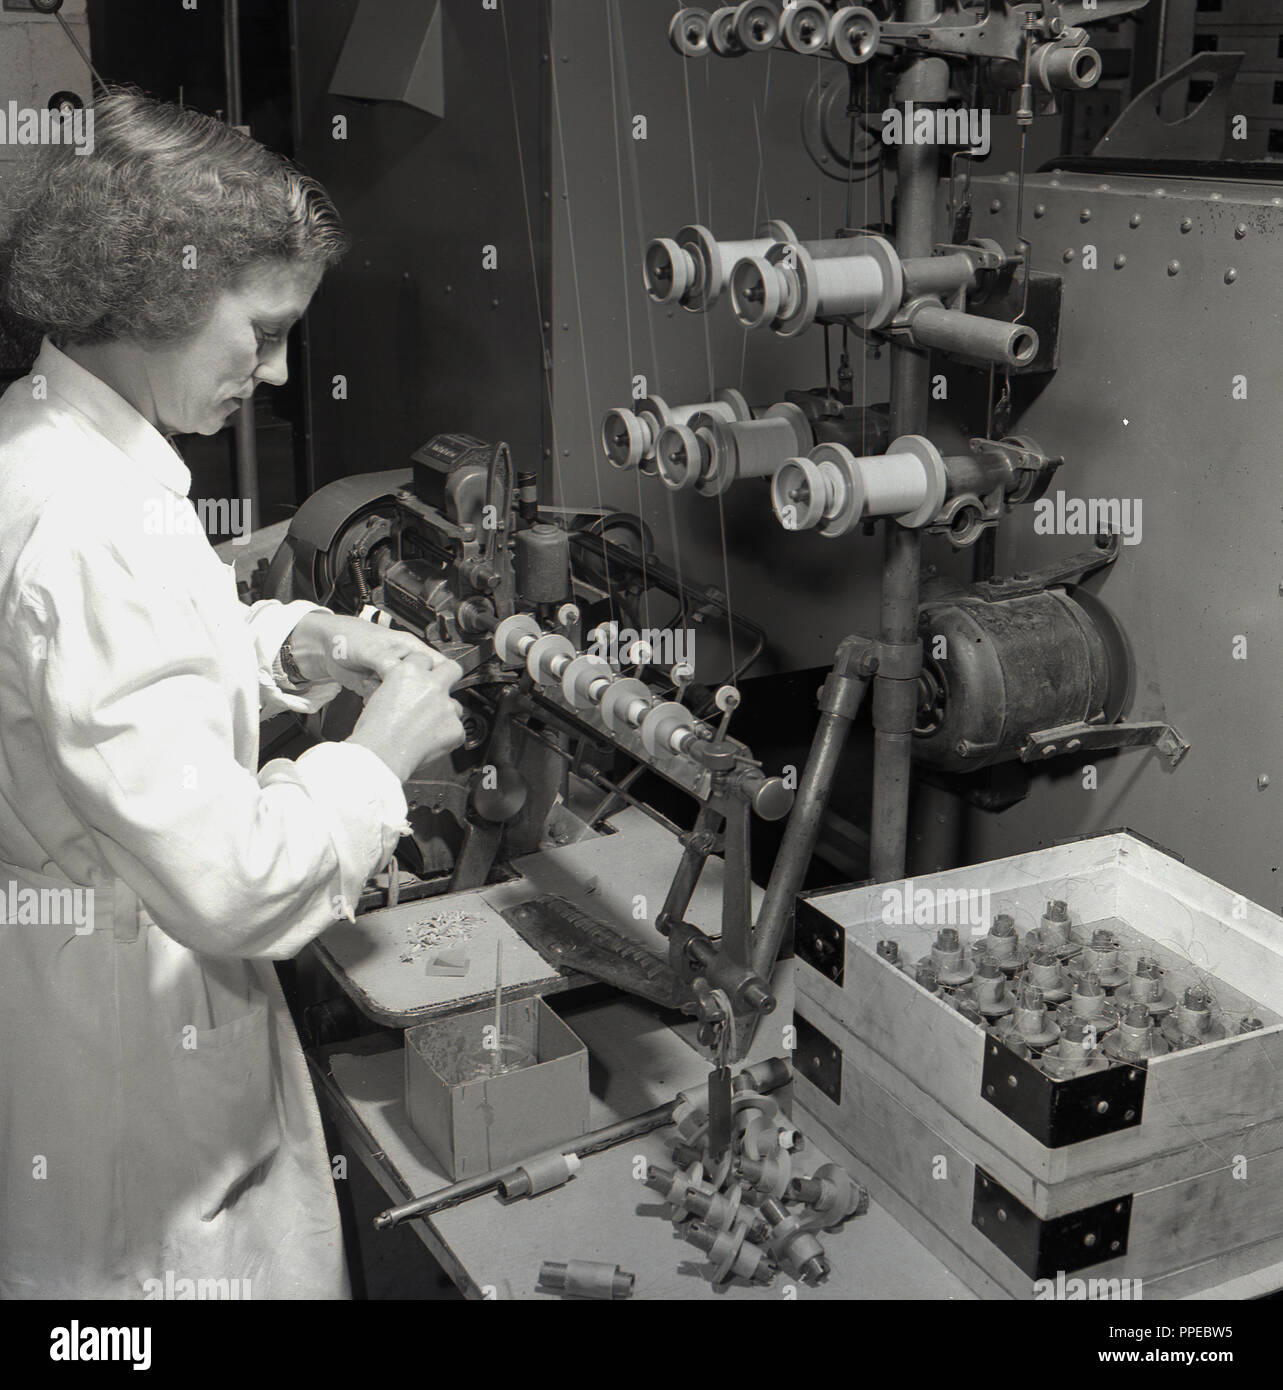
<point>157,1123</point>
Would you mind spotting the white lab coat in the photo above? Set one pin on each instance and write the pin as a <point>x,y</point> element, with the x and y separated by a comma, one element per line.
<point>157,1122</point>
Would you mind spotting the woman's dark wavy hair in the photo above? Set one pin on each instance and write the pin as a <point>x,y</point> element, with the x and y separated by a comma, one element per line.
<point>137,239</point>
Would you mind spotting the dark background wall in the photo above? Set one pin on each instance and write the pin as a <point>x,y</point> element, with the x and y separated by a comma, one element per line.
<point>428,340</point>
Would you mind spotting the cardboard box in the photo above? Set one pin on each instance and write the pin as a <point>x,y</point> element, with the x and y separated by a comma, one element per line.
<point>475,1121</point>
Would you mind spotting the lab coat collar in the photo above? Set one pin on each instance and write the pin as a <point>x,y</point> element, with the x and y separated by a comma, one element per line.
<point>114,418</point>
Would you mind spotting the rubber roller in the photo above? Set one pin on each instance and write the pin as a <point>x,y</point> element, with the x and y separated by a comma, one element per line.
<point>668,728</point>
<point>789,288</point>
<point>625,704</point>
<point>854,34</point>
<point>682,457</point>
<point>834,490</point>
<point>723,35</point>
<point>688,33</point>
<point>761,292</point>
<point>742,449</point>
<point>548,658</point>
<point>692,269</point>
<point>514,637</point>
<point>757,25</point>
<point>586,680</point>
<point>806,27</point>
<point>630,438</point>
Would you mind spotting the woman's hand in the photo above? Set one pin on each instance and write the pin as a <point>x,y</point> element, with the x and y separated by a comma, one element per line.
<point>353,653</point>
<point>411,719</point>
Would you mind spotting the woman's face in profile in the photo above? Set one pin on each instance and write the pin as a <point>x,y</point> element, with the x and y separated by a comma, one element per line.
<point>199,383</point>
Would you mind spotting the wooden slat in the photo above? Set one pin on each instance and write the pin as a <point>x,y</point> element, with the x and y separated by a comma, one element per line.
<point>1045,1198</point>
<point>1176,1230</point>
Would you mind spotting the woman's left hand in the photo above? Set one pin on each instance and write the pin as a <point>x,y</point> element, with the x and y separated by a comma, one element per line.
<point>351,652</point>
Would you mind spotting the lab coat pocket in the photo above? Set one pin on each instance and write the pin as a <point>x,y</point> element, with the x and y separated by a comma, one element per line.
<point>227,1102</point>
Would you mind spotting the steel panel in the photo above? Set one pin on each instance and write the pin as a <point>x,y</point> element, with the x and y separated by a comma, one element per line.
<point>1142,408</point>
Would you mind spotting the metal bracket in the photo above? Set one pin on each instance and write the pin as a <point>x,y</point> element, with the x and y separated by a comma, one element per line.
<point>1091,738</point>
<point>1004,300</point>
<point>1141,133</point>
<point>818,1058</point>
<point>955,31</point>
<point>1044,1248</point>
<point>1071,570</point>
<point>1058,1113</point>
<point>819,941</point>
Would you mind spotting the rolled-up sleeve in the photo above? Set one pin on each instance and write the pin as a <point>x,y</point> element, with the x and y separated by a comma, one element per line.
<point>270,623</point>
<point>140,738</point>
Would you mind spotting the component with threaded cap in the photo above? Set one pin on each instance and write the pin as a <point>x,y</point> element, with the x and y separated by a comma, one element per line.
<point>586,1279</point>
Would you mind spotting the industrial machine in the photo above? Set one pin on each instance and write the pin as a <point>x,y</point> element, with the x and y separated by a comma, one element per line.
<point>572,696</point>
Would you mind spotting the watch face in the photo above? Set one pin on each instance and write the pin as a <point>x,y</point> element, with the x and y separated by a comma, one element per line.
<point>291,667</point>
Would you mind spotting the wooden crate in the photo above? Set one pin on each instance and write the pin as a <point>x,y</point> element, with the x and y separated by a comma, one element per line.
<point>1207,1128</point>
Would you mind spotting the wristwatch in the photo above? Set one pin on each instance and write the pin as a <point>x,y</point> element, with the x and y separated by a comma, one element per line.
<point>290,668</point>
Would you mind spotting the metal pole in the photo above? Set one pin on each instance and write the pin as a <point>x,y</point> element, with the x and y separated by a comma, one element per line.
<point>762,1077</point>
<point>244,425</point>
<point>840,702</point>
<point>895,698</point>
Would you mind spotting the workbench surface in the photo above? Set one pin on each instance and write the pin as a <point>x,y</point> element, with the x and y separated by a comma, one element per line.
<point>605,1213</point>
<point>613,877</point>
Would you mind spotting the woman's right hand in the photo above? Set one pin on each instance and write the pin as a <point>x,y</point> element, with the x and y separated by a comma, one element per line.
<point>411,719</point>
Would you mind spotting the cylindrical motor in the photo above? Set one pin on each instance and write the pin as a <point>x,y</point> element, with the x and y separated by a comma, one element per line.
<point>543,564</point>
<point>995,673</point>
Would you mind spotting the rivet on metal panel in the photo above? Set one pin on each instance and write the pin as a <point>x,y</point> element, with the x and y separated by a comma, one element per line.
<point>1135,220</point>
<point>1187,224</point>
<point>1069,254</point>
<point>1214,197</point>
<point>996,205</point>
<point>1240,231</point>
<point>1119,262</point>
<point>1173,267</point>
<point>1085,215</point>
<point>1231,275</point>
<point>1263,781</point>
<point>1040,211</point>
